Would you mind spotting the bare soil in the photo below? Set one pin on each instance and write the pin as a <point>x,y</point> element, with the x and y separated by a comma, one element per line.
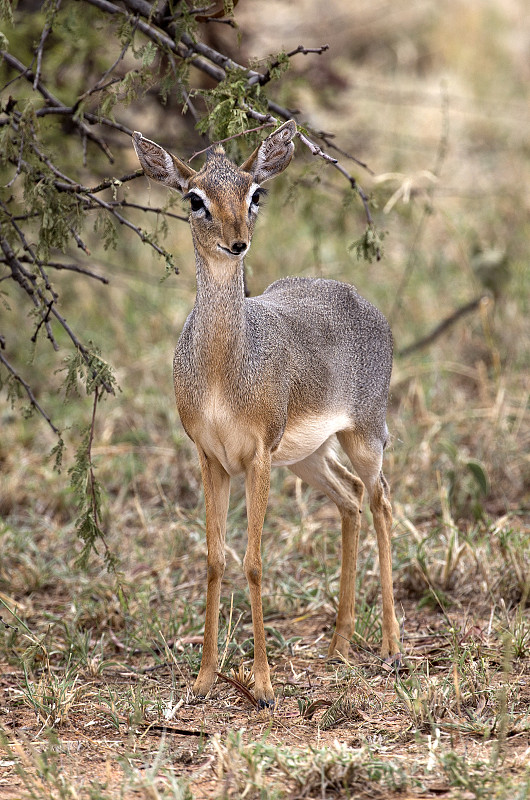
<point>95,741</point>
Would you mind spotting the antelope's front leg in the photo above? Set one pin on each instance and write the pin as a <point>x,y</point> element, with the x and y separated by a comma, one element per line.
<point>257,491</point>
<point>216,484</point>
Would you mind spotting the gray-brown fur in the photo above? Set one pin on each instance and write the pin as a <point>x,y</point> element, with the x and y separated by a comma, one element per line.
<point>312,344</point>
<point>272,379</point>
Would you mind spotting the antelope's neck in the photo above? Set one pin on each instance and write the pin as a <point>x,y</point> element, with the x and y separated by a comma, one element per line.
<point>219,312</point>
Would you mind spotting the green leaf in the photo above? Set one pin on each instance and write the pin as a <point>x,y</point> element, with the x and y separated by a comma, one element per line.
<point>479,474</point>
<point>369,246</point>
<point>6,12</point>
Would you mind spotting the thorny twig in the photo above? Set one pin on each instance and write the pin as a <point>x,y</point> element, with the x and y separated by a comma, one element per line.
<point>327,137</point>
<point>59,265</point>
<point>230,138</point>
<point>315,150</point>
<point>267,75</point>
<point>29,283</point>
<point>27,388</point>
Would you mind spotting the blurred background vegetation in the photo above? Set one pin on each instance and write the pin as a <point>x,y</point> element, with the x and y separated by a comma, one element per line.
<point>426,107</point>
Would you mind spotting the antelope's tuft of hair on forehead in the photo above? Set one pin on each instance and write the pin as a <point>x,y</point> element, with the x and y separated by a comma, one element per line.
<point>220,175</point>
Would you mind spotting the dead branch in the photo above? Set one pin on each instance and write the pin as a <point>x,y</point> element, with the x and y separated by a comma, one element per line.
<point>444,325</point>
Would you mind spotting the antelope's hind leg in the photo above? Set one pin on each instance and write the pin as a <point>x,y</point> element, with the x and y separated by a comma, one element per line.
<point>323,471</point>
<point>382,516</point>
<point>367,462</point>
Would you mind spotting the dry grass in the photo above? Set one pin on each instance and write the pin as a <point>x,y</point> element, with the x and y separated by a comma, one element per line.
<point>95,693</point>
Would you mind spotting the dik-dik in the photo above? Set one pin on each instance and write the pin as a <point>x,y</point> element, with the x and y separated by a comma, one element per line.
<point>275,380</point>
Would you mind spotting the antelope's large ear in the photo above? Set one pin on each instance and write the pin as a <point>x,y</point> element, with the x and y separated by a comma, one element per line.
<point>160,165</point>
<point>273,154</point>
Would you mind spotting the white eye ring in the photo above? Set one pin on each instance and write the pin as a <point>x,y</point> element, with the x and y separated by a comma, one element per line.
<point>255,193</point>
<point>198,203</point>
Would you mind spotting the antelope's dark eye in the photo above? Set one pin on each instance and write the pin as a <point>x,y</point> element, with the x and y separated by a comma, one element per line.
<point>254,200</point>
<point>196,202</point>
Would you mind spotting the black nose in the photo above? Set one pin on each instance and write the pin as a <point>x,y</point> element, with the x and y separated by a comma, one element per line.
<point>238,247</point>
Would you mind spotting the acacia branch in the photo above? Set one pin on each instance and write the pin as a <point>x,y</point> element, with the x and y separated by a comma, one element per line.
<point>54,103</point>
<point>315,150</point>
<point>60,265</point>
<point>327,137</point>
<point>40,49</point>
<point>27,247</point>
<point>164,41</point>
<point>89,200</point>
<point>97,201</point>
<point>148,209</point>
<point>25,279</point>
<point>220,60</point>
<point>100,84</point>
<point>216,63</point>
<point>27,388</point>
<point>46,307</point>
<point>230,138</point>
<point>266,76</point>
<point>216,66</point>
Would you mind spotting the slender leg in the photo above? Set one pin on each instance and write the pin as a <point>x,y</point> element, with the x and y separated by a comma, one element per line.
<point>367,460</point>
<point>345,625</point>
<point>323,471</point>
<point>382,514</point>
<point>257,491</point>
<point>216,484</point>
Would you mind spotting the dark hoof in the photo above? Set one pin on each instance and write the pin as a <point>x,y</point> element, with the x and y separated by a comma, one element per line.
<point>265,704</point>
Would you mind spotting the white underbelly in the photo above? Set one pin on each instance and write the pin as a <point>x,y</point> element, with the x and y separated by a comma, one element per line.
<point>305,435</point>
<point>234,443</point>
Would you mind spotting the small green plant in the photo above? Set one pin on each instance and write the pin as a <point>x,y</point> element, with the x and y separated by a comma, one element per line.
<point>345,707</point>
<point>467,481</point>
<point>514,547</point>
<point>277,643</point>
<point>367,621</point>
<point>52,697</point>
<point>519,635</point>
<point>424,699</point>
